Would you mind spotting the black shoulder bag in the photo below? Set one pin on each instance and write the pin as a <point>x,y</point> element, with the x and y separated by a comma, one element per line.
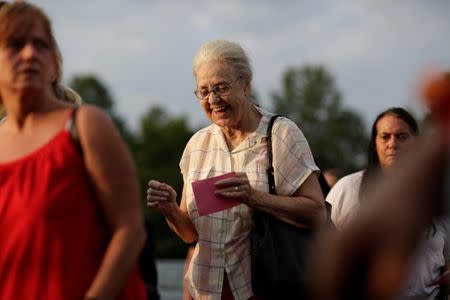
<point>279,251</point>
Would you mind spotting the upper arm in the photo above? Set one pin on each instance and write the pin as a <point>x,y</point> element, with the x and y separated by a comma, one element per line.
<point>110,167</point>
<point>344,199</point>
<point>183,204</point>
<point>293,161</point>
<point>184,168</point>
<point>310,188</point>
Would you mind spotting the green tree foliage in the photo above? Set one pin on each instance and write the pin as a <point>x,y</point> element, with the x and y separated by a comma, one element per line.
<point>310,98</point>
<point>156,149</point>
<point>160,144</point>
<point>93,91</point>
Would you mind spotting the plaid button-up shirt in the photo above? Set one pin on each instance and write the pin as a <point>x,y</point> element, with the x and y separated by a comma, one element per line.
<point>223,237</point>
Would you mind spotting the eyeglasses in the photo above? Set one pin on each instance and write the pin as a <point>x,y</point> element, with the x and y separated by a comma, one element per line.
<point>220,89</point>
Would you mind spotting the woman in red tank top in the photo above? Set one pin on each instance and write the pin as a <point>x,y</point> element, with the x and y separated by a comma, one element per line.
<point>71,225</point>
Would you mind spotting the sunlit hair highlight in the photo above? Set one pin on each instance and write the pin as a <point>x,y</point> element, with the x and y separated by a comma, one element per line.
<point>224,51</point>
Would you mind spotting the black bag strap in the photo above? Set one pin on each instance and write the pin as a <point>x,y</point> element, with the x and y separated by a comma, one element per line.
<point>270,169</point>
<point>71,126</point>
<point>271,172</point>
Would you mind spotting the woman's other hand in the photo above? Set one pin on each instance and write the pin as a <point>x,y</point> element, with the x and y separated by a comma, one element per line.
<point>162,197</point>
<point>237,187</point>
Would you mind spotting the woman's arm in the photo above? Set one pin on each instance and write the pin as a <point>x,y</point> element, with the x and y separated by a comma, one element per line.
<point>304,208</point>
<point>113,174</point>
<point>163,197</point>
<point>294,166</point>
<point>182,224</point>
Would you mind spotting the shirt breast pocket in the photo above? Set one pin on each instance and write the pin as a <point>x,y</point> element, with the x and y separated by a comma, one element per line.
<point>257,174</point>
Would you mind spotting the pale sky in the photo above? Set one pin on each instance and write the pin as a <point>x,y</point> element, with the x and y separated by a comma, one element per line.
<point>143,49</point>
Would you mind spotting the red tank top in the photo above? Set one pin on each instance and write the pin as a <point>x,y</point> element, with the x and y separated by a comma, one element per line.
<point>52,232</point>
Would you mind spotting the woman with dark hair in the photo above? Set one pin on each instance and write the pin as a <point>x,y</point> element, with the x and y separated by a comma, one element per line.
<point>393,133</point>
<point>383,157</point>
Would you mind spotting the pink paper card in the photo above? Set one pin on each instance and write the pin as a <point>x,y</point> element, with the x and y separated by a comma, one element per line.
<point>207,202</point>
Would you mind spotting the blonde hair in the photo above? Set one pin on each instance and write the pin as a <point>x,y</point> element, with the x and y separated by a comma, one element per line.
<point>21,16</point>
<point>225,51</point>
<point>61,90</point>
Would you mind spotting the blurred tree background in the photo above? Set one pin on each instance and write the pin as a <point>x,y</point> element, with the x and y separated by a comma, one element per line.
<point>160,143</point>
<point>337,135</point>
<point>307,95</point>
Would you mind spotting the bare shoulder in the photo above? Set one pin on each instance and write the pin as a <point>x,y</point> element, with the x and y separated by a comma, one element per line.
<point>91,113</point>
<point>92,120</point>
<point>97,130</point>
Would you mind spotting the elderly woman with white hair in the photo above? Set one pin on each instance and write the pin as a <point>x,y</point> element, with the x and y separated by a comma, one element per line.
<point>236,141</point>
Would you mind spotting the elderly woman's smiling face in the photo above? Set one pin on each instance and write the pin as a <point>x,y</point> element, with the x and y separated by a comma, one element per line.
<point>223,95</point>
